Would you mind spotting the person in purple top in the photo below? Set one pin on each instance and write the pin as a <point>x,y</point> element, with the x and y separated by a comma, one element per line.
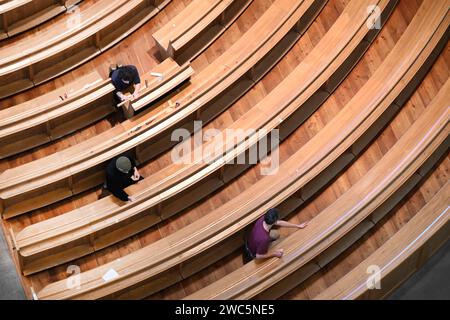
<point>259,239</point>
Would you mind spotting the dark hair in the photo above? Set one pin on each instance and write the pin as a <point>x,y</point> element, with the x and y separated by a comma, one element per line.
<point>271,216</point>
<point>125,74</point>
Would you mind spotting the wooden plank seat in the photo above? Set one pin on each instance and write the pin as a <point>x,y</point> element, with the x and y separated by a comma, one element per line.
<point>48,239</point>
<point>69,44</point>
<point>151,265</point>
<point>399,256</point>
<point>81,167</point>
<point>27,125</point>
<point>165,78</point>
<point>190,32</point>
<point>75,106</point>
<point>21,15</point>
<point>303,249</point>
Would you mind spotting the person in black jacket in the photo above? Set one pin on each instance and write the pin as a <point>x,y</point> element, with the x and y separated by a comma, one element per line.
<point>124,77</point>
<point>121,172</point>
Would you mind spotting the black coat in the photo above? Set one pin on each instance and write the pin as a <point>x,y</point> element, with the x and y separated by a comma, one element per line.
<point>117,181</point>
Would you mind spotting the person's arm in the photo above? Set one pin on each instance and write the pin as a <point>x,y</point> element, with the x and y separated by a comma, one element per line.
<point>136,82</point>
<point>285,224</point>
<point>121,96</point>
<point>274,254</point>
<point>115,190</point>
<point>120,193</point>
<point>137,88</point>
<point>136,175</point>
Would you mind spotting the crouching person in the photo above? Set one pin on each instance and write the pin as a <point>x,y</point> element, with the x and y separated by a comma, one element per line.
<point>125,79</point>
<point>262,234</point>
<point>121,173</point>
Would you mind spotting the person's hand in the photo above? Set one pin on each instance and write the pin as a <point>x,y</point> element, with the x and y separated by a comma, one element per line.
<point>136,175</point>
<point>278,253</point>
<point>130,199</point>
<point>136,95</point>
<point>302,225</point>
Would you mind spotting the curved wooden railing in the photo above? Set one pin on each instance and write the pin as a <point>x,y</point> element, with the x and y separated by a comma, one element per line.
<point>77,105</point>
<point>81,167</point>
<point>197,26</point>
<point>70,43</point>
<point>343,45</point>
<point>407,156</point>
<point>401,255</point>
<point>156,260</point>
<point>17,16</point>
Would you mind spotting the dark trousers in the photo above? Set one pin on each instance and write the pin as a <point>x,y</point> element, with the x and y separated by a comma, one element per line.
<point>248,255</point>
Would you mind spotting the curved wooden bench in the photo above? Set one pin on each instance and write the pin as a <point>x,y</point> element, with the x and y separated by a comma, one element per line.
<point>81,167</point>
<point>197,26</point>
<point>21,15</point>
<point>68,45</point>
<point>29,124</point>
<point>77,105</point>
<point>343,45</point>
<point>166,77</point>
<point>401,255</point>
<point>407,156</point>
<point>151,265</point>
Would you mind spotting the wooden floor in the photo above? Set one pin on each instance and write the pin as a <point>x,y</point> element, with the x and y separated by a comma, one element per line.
<point>139,49</point>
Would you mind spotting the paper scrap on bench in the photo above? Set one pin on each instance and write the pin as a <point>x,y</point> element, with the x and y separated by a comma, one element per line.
<point>110,275</point>
<point>33,293</point>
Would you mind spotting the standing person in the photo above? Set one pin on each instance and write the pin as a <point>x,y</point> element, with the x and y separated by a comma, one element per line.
<point>121,172</point>
<point>123,77</point>
<point>258,241</point>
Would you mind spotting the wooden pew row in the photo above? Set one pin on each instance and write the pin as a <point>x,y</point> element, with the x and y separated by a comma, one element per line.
<point>30,124</point>
<point>149,267</point>
<point>189,33</point>
<point>17,52</point>
<point>167,77</point>
<point>351,209</point>
<point>83,102</point>
<point>81,167</point>
<point>323,259</point>
<point>401,255</point>
<point>71,43</point>
<point>47,242</point>
<point>21,15</point>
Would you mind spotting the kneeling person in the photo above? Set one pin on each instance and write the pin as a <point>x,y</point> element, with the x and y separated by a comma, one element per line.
<point>120,174</point>
<point>258,242</point>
